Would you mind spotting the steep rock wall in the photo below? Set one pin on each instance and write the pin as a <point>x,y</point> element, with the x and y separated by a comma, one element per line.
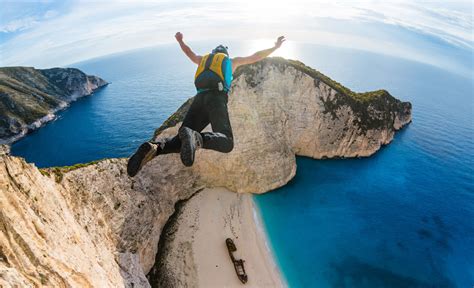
<point>86,227</point>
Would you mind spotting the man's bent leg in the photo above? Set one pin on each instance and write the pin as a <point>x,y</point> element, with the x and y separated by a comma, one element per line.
<point>144,153</point>
<point>168,145</point>
<point>196,118</point>
<point>221,139</point>
<point>195,121</point>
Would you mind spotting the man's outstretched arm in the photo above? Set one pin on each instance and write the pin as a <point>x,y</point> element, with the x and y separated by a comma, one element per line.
<point>257,56</point>
<point>187,50</point>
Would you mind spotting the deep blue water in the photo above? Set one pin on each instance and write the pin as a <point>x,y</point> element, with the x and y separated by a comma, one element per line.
<point>402,218</point>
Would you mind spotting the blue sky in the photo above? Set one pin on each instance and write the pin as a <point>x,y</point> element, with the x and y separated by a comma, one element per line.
<point>57,33</point>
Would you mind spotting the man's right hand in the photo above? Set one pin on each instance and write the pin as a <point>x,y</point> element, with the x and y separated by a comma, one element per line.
<point>179,36</point>
<point>195,58</point>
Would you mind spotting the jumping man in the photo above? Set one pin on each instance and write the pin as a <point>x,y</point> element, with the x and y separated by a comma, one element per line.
<point>213,79</point>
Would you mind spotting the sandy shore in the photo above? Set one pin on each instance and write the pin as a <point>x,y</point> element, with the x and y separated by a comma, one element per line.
<point>196,254</point>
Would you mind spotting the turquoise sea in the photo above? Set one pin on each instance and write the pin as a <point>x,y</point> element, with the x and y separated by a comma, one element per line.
<point>402,218</point>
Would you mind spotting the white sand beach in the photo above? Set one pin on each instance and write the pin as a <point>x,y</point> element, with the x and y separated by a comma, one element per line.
<point>197,251</point>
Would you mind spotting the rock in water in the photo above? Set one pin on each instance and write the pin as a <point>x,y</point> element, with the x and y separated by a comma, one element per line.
<point>92,225</point>
<point>29,97</point>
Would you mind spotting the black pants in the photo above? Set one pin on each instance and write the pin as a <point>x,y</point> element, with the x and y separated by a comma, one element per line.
<point>207,107</point>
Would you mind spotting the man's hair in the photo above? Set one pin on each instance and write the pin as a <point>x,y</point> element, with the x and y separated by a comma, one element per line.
<point>221,49</point>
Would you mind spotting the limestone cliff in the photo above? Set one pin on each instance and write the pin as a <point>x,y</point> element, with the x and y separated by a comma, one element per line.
<point>29,97</point>
<point>92,225</point>
<point>280,108</point>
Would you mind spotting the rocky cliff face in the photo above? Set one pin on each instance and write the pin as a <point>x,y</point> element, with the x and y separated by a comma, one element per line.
<point>92,225</point>
<point>29,97</point>
<point>86,227</point>
<point>279,109</point>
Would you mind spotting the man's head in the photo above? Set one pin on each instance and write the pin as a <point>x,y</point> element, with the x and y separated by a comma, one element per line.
<point>220,49</point>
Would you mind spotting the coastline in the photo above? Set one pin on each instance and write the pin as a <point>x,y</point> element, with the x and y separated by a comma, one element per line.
<point>38,123</point>
<point>265,242</point>
<point>41,122</point>
<point>195,250</point>
<point>51,115</point>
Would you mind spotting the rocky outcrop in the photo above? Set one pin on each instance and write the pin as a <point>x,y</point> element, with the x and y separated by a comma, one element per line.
<point>92,225</point>
<point>280,108</point>
<point>29,97</point>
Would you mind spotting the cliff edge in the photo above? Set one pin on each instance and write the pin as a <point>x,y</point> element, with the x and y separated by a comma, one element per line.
<point>29,97</point>
<point>93,226</point>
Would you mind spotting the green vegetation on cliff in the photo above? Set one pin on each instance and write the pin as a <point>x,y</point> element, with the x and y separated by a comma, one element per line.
<point>28,95</point>
<point>58,171</point>
<point>318,76</point>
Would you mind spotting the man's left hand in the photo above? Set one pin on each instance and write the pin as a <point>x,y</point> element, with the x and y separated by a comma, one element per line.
<point>280,41</point>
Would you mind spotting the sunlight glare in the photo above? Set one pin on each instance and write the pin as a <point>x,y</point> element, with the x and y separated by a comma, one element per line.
<point>287,50</point>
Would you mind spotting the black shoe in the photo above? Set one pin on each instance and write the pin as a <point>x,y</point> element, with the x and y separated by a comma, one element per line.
<point>190,141</point>
<point>144,153</point>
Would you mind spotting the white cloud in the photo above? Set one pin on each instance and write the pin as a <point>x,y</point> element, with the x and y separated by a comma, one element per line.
<point>93,28</point>
<point>452,26</point>
<point>50,14</point>
<point>18,25</point>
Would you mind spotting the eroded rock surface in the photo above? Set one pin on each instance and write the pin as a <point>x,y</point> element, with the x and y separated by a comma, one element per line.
<point>95,227</point>
<point>88,227</point>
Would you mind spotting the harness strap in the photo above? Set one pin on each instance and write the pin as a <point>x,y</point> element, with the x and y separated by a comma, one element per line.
<point>208,61</point>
